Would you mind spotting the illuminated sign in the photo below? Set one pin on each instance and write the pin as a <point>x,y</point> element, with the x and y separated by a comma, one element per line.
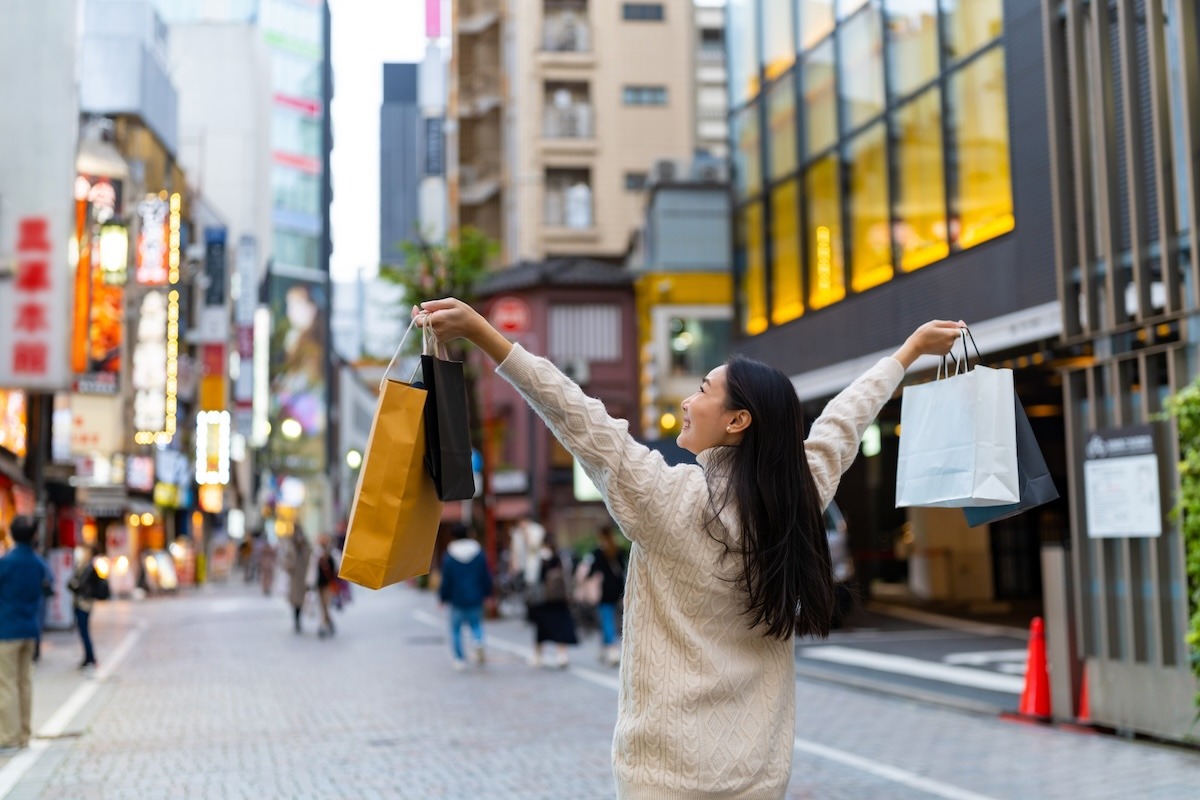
<point>212,448</point>
<point>13,421</point>
<point>260,403</point>
<point>153,241</point>
<point>156,354</point>
<point>212,499</point>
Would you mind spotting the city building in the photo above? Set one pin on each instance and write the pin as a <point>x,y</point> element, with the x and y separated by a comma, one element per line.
<point>562,109</point>
<point>1028,168</point>
<point>712,80</point>
<point>401,137</point>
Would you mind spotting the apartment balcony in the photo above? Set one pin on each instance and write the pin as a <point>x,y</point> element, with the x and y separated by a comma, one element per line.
<point>568,216</point>
<point>569,130</point>
<point>567,40</point>
<point>479,93</point>
<point>477,16</point>
<point>478,181</point>
<point>710,55</point>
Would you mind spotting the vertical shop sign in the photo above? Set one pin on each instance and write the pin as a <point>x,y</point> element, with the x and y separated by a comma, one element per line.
<point>246,302</point>
<point>214,313</point>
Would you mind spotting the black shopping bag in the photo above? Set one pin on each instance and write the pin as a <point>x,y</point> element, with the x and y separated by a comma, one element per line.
<point>447,429</point>
<point>1033,477</point>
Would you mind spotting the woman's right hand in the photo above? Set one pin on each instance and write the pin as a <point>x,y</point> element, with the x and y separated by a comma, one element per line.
<point>451,318</point>
<point>934,338</point>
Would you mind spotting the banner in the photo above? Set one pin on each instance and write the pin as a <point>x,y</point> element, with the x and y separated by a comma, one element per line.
<point>298,413</point>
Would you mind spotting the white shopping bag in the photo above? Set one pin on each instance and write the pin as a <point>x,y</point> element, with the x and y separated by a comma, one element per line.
<point>958,442</point>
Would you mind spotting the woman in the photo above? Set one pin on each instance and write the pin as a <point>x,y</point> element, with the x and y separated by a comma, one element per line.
<point>83,587</point>
<point>298,563</point>
<point>327,570</point>
<point>729,559</point>
<point>608,561</point>
<point>548,608</point>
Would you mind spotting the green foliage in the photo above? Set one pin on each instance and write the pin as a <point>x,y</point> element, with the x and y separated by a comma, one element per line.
<point>433,271</point>
<point>1185,407</point>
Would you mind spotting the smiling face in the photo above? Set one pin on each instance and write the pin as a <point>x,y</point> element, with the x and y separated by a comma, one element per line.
<point>706,421</point>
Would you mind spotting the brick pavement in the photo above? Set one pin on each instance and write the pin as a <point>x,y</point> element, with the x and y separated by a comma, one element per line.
<point>219,699</point>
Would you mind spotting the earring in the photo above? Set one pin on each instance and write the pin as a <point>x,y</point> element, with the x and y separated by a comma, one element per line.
<point>729,429</point>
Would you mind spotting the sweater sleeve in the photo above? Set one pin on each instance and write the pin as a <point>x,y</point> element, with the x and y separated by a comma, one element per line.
<point>628,474</point>
<point>832,443</point>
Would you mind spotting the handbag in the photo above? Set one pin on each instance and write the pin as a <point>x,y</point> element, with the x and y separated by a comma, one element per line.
<point>958,439</point>
<point>447,428</point>
<point>1033,477</point>
<point>396,512</point>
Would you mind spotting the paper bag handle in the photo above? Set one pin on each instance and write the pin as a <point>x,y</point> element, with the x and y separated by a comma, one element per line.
<point>963,364</point>
<point>430,346</point>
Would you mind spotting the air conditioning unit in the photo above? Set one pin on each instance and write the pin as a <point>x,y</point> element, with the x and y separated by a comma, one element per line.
<point>577,370</point>
<point>666,170</point>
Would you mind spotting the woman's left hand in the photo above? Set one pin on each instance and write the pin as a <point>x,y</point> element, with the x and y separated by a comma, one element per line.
<point>934,338</point>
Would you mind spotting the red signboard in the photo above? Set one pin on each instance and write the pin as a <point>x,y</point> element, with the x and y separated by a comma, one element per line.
<point>511,315</point>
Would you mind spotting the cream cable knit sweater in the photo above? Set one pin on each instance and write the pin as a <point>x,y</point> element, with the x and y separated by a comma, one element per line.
<point>707,705</point>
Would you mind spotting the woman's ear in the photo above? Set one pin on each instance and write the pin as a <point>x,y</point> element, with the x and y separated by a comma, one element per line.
<point>741,420</point>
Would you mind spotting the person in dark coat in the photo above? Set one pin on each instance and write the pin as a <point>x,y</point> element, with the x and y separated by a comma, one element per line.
<point>548,607</point>
<point>24,581</point>
<point>609,561</point>
<point>466,583</point>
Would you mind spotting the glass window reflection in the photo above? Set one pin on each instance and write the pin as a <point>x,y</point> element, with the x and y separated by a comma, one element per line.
<point>742,23</point>
<point>754,289</point>
<point>971,24</point>
<point>920,197</point>
<point>861,41</point>
<point>979,131</point>
<point>815,22</point>
<point>823,232</point>
<point>747,166</point>
<point>781,116</point>
<point>820,99</point>
<point>778,41</point>
<point>913,34</point>
<point>787,301</point>
<point>870,228</point>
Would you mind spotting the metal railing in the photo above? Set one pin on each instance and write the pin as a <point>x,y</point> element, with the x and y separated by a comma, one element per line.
<point>566,33</point>
<point>572,122</point>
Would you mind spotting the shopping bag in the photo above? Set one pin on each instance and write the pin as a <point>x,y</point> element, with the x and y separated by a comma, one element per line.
<point>958,441</point>
<point>447,429</point>
<point>1033,477</point>
<point>396,512</point>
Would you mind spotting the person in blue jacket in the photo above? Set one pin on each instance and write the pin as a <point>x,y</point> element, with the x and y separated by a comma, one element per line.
<point>466,583</point>
<point>24,581</point>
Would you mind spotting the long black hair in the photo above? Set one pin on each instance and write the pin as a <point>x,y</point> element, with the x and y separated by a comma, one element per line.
<point>787,571</point>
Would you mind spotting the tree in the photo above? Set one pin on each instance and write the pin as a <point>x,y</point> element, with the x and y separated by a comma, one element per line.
<point>432,271</point>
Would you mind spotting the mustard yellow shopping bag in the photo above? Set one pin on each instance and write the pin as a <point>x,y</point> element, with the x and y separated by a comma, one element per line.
<point>396,512</point>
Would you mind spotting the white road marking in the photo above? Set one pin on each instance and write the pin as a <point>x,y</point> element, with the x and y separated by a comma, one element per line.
<point>894,774</point>
<point>984,657</point>
<point>915,667</point>
<point>14,770</point>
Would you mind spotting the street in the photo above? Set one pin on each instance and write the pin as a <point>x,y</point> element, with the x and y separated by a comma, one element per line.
<point>211,695</point>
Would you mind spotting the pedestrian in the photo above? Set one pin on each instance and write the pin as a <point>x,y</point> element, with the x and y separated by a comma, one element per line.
<point>548,608</point>
<point>87,587</point>
<point>729,562</point>
<point>266,565</point>
<point>466,584</point>
<point>296,562</point>
<point>327,570</point>
<point>608,562</point>
<point>24,582</point>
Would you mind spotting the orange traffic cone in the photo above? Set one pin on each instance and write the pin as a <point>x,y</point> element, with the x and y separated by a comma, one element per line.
<point>1085,712</point>
<point>1035,699</point>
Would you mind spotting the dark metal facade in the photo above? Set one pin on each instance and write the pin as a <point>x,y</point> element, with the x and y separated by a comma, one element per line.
<point>1123,94</point>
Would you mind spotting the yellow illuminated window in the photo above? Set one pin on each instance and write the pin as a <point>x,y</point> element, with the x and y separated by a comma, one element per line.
<point>778,43</point>
<point>815,23</point>
<point>820,99</point>
<point>921,199</point>
<point>823,233</point>
<point>781,115</point>
<point>870,229</point>
<point>980,137</point>
<point>912,31</point>
<point>749,167</point>
<point>861,42</point>
<point>970,24</point>
<point>787,302</point>
<point>754,290</point>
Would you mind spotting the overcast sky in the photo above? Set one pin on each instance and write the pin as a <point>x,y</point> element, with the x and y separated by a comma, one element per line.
<point>366,35</point>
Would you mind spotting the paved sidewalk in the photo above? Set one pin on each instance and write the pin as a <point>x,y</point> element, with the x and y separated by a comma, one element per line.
<point>217,698</point>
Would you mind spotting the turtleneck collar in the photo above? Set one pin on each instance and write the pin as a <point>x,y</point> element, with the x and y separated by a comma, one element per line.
<point>713,455</point>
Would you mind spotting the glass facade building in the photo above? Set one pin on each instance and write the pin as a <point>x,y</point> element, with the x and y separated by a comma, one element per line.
<point>870,140</point>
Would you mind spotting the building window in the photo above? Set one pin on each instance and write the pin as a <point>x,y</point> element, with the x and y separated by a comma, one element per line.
<point>912,34</point>
<point>698,346</point>
<point>970,25</point>
<point>296,249</point>
<point>754,289</point>
<point>982,202</point>
<point>296,191</point>
<point>779,44</point>
<point>643,12</point>
<point>861,43</point>
<point>781,115</point>
<point>747,168</point>
<point>644,95</point>
<point>585,332</point>
<point>568,199</point>
<point>920,229</point>
<point>823,232</point>
<point>870,227</point>
<point>815,23</point>
<point>713,38</point>
<point>820,99</point>
<point>787,299</point>
<point>741,20</point>
<point>635,181</point>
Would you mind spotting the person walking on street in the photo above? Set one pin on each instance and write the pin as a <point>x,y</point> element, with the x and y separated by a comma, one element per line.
<point>266,565</point>
<point>24,581</point>
<point>548,607</point>
<point>730,559</point>
<point>327,570</point>
<point>296,563</point>
<point>608,562</point>
<point>85,586</point>
<point>466,583</point>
